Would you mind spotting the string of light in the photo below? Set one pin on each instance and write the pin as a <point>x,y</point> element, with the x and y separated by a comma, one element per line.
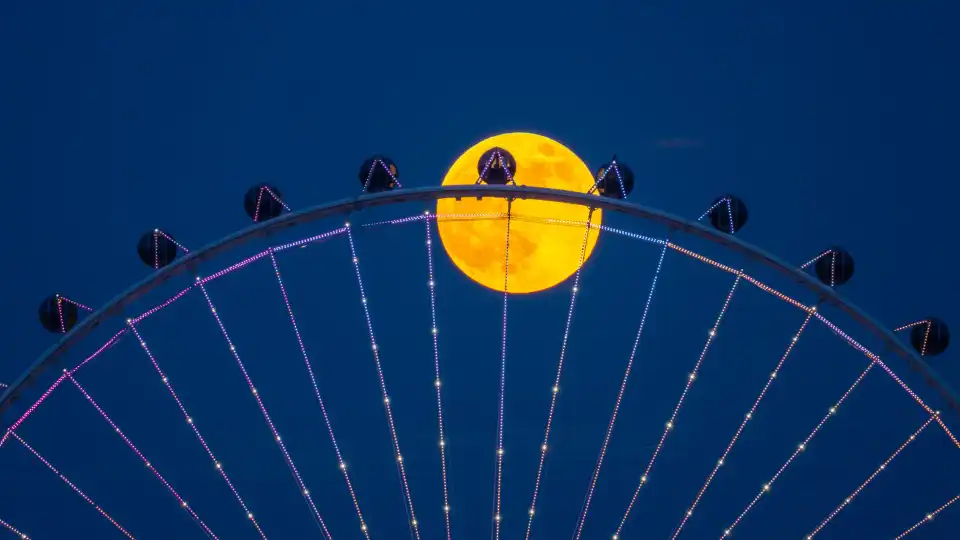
<point>711,209</point>
<point>482,216</point>
<point>556,383</point>
<point>432,286</point>
<point>911,325</point>
<point>414,524</point>
<point>158,233</point>
<point>73,486</point>
<point>929,517</point>
<point>926,333</point>
<point>43,397</point>
<point>616,407</point>
<point>256,214</point>
<point>217,464</point>
<point>316,391</point>
<point>266,415</point>
<point>853,343</point>
<point>14,530</point>
<point>743,424</point>
<point>183,503</point>
<point>815,259</point>
<point>676,411</point>
<point>62,298</point>
<point>497,516</point>
<point>800,448</point>
<point>876,473</point>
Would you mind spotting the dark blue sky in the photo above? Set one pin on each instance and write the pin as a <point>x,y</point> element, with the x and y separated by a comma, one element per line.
<point>834,121</point>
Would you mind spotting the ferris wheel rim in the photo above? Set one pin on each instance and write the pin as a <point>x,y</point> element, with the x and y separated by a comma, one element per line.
<point>189,262</point>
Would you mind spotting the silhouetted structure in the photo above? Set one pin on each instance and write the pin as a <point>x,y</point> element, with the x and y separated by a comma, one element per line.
<point>496,167</point>
<point>930,338</point>
<point>379,173</point>
<point>834,267</point>
<point>728,214</point>
<point>58,315</point>
<point>263,202</point>
<point>614,180</point>
<point>156,249</point>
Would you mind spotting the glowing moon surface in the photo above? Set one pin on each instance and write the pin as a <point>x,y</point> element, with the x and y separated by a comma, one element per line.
<point>542,254</point>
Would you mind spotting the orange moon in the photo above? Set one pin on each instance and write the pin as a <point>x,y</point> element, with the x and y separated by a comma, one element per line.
<point>542,254</point>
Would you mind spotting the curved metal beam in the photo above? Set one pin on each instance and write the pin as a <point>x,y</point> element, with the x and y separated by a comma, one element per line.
<point>345,206</point>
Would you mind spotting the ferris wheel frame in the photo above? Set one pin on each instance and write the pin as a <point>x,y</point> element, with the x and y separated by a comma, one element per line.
<point>189,262</point>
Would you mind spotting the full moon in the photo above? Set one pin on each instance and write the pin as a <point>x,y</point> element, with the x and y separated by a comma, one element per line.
<point>542,253</point>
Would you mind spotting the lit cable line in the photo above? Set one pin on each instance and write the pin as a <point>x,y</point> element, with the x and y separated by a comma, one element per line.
<point>676,411</point>
<point>846,502</point>
<point>432,285</point>
<point>305,493</point>
<point>316,389</point>
<point>743,424</point>
<point>497,515</point>
<point>73,486</point>
<point>800,448</point>
<point>616,408</point>
<point>398,455</point>
<point>182,502</point>
<point>929,517</point>
<point>556,383</point>
<point>218,465</point>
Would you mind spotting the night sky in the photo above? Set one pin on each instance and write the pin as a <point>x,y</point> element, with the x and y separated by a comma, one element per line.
<point>834,121</point>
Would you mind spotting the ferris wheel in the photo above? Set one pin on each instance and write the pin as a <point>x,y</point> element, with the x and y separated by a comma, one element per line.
<point>522,352</point>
